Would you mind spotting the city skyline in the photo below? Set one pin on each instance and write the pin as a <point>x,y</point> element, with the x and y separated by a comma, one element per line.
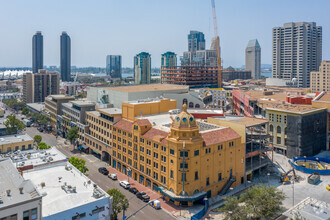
<point>92,41</point>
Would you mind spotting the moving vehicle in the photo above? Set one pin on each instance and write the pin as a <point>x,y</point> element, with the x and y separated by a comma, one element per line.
<point>133,190</point>
<point>125,184</point>
<point>103,170</point>
<point>113,176</point>
<point>143,196</point>
<point>155,204</point>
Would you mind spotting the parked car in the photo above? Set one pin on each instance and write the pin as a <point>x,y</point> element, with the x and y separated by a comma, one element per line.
<point>103,170</point>
<point>125,184</point>
<point>133,190</point>
<point>113,176</point>
<point>40,129</point>
<point>143,196</point>
<point>155,204</point>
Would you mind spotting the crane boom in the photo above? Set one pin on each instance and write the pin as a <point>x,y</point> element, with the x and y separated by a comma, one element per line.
<point>217,43</point>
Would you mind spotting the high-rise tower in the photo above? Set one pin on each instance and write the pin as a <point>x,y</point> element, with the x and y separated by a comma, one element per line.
<point>113,66</point>
<point>65,57</point>
<point>142,68</point>
<point>253,58</point>
<point>37,52</point>
<point>168,60</point>
<point>297,50</point>
<point>196,41</point>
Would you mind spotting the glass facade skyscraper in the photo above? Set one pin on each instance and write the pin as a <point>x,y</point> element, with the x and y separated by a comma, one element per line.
<point>142,68</point>
<point>37,52</point>
<point>65,57</point>
<point>113,66</point>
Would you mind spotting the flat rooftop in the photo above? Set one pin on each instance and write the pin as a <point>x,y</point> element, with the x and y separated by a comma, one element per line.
<point>325,98</point>
<point>163,122</point>
<point>109,111</point>
<point>10,139</point>
<point>246,121</point>
<point>148,88</point>
<point>83,103</point>
<point>37,106</point>
<point>148,100</point>
<point>37,157</point>
<point>63,189</point>
<point>62,97</point>
<point>11,180</point>
<point>311,209</point>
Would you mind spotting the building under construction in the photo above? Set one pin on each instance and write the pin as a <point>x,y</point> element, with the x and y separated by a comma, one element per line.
<point>194,76</point>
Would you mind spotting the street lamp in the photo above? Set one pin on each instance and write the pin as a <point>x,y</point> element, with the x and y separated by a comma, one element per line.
<point>268,174</point>
<point>293,193</point>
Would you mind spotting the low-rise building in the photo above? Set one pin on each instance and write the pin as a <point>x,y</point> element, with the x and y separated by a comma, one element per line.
<point>230,74</point>
<point>320,80</point>
<point>19,198</point>
<point>53,106</point>
<point>73,115</point>
<point>181,157</point>
<point>69,194</point>
<point>36,107</point>
<point>218,97</point>
<point>15,142</point>
<point>7,96</point>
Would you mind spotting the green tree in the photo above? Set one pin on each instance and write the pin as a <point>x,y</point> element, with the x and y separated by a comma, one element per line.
<point>233,210</point>
<point>73,134</point>
<point>263,201</point>
<point>43,146</point>
<point>37,139</point>
<point>119,201</point>
<point>13,124</point>
<point>257,202</point>
<point>25,111</point>
<point>79,164</point>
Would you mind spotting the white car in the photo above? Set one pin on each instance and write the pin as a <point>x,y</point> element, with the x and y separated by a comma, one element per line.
<point>113,176</point>
<point>125,184</point>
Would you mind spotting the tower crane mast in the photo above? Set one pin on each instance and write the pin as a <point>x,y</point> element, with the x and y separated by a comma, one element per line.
<point>217,40</point>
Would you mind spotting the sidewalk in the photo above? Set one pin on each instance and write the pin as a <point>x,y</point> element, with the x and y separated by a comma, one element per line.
<point>171,209</point>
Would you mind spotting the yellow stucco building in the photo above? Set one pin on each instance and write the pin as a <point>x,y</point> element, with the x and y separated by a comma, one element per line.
<point>185,159</point>
<point>16,142</point>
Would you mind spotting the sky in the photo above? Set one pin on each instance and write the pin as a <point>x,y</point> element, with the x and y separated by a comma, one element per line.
<point>127,27</point>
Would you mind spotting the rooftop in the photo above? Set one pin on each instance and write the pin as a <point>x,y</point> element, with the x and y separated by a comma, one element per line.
<point>83,103</point>
<point>253,43</point>
<point>10,139</point>
<point>110,111</point>
<point>148,100</point>
<point>246,121</point>
<point>11,180</point>
<point>64,188</point>
<point>37,106</point>
<point>148,88</point>
<point>62,97</point>
<point>311,209</point>
<point>36,157</point>
<point>325,98</point>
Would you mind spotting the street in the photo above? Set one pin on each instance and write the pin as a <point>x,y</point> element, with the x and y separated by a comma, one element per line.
<point>103,181</point>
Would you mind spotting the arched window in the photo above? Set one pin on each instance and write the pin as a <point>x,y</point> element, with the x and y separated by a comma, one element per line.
<point>197,106</point>
<point>184,101</point>
<point>271,128</point>
<point>278,129</point>
<point>191,104</point>
<point>196,191</point>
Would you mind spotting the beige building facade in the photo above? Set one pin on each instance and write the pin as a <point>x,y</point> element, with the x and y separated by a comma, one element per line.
<point>320,80</point>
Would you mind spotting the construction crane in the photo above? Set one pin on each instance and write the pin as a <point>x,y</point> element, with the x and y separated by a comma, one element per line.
<point>217,40</point>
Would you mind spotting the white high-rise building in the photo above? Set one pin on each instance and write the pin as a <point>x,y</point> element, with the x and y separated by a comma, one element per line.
<point>142,68</point>
<point>297,50</point>
<point>253,58</point>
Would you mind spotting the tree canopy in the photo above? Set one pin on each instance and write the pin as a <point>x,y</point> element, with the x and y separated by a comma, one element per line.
<point>257,202</point>
<point>14,103</point>
<point>43,146</point>
<point>37,139</point>
<point>79,164</point>
<point>73,134</point>
<point>13,124</point>
<point>119,201</point>
<point>25,111</point>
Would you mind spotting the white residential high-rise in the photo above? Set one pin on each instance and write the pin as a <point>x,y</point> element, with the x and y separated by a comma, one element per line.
<point>253,58</point>
<point>297,50</point>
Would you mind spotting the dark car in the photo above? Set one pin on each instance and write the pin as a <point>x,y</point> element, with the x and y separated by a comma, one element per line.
<point>143,196</point>
<point>40,129</point>
<point>103,170</point>
<point>133,190</point>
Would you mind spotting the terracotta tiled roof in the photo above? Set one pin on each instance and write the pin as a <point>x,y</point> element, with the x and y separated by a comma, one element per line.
<point>219,136</point>
<point>124,125</point>
<point>155,135</point>
<point>143,122</point>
